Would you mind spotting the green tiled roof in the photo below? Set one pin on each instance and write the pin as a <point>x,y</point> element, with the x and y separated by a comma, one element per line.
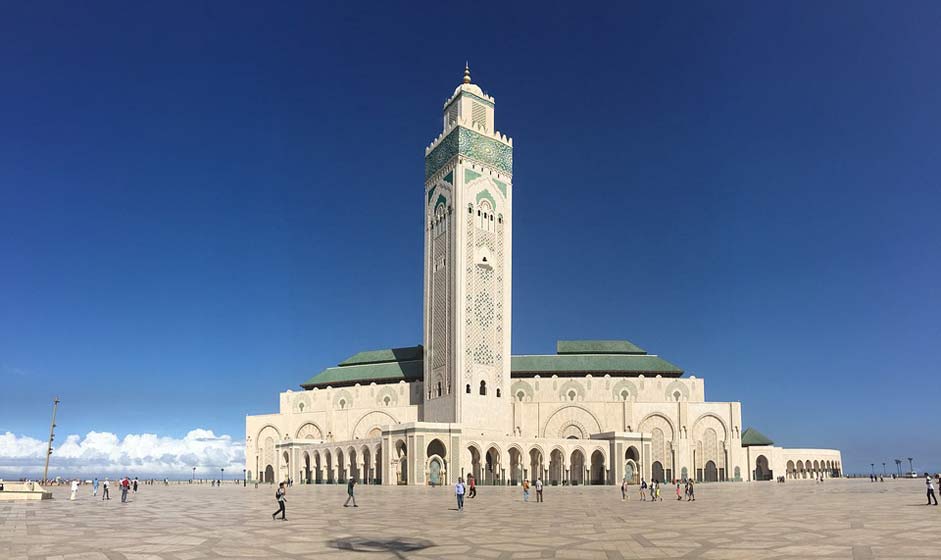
<point>406,354</point>
<point>597,347</point>
<point>594,363</point>
<point>751,436</point>
<point>387,372</point>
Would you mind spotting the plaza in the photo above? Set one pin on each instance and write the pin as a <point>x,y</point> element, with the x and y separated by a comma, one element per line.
<point>847,519</point>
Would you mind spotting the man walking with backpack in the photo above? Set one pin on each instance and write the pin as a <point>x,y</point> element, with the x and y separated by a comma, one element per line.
<point>349,491</point>
<point>279,495</point>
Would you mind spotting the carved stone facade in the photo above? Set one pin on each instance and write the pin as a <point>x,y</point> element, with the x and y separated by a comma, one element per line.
<point>595,412</point>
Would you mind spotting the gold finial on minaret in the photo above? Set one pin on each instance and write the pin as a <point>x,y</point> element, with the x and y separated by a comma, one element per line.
<point>467,79</point>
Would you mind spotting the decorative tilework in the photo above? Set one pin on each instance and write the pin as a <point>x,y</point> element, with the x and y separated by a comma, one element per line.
<point>502,186</point>
<point>471,145</point>
<point>486,194</point>
<point>431,193</point>
<point>449,178</point>
<point>470,175</point>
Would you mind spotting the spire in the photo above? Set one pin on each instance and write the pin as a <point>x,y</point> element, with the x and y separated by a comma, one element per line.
<point>467,78</point>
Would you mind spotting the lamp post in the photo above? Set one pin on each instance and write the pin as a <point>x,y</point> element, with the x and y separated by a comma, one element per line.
<point>883,469</point>
<point>244,480</point>
<point>194,475</point>
<point>898,467</point>
<point>910,467</point>
<point>222,475</point>
<point>873,466</point>
<point>52,430</point>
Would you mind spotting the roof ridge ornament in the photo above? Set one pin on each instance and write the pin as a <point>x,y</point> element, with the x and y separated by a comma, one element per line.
<point>467,78</point>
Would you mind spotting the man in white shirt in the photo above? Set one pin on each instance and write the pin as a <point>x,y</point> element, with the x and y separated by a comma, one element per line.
<point>538,490</point>
<point>459,492</point>
<point>930,484</point>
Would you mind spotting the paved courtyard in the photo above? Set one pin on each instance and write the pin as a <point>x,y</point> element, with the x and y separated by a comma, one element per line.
<point>837,519</point>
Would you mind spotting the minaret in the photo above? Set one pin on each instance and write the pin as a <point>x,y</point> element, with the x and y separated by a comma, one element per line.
<point>468,255</point>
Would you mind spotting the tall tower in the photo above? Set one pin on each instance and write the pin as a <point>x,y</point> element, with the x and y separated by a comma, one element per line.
<point>468,255</point>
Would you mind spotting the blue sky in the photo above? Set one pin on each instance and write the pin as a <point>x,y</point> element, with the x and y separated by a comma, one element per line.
<point>202,205</point>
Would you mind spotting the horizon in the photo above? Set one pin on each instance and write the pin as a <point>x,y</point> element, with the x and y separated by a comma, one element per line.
<point>203,208</point>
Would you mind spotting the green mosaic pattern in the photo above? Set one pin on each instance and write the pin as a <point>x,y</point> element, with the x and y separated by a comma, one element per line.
<point>502,186</point>
<point>472,145</point>
<point>431,193</point>
<point>486,194</point>
<point>470,175</point>
<point>449,178</point>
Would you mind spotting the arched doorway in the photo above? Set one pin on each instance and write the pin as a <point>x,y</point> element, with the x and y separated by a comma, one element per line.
<point>436,454</point>
<point>269,474</point>
<point>762,471</point>
<point>711,473</point>
<point>577,469</point>
<point>598,471</point>
<point>401,451</point>
<point>378,472</point>
<point>474,463</point>
<point>535,464</point>
<point>656,471</point>
<point>367,466</point>
<point>341,466</point>
<point>516,466</point>
<point>286,466</point>
<point>328,459</point>
<point>306,476</point>
<point>632,465</point>
<point>789,468</point>
<point>555,467</point>
<point>493,466</point>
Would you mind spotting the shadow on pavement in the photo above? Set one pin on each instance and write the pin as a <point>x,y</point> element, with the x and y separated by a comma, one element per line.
<point>396,546</point>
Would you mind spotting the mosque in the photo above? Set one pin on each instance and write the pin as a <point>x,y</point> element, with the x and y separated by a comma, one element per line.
<point>595,412</point>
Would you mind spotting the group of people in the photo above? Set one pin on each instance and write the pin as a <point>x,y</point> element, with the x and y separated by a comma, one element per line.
<point>684,488</point>
<point>125,484</point>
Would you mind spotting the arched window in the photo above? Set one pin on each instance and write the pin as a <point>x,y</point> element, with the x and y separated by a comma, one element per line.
<point>468,388</point>
<point>498,393</point>
<point>676,395</point>
<point>300,406</point>
<point>483,387</point>
<point>520,395</point>
<point>624,395</point>
<point>572,395</point>
<point>386,400</point>
<point>342,403</point>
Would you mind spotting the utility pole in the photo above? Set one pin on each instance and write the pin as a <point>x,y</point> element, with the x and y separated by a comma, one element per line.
<point>52,435</point>
<point>910,467</point>
<point>898,467</point>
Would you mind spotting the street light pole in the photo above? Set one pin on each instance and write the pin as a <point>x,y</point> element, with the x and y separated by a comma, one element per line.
<point>883,469</point>
<point>52,430</point>
<point>244,481</point>
<point>222,475</point>
<point>910,467</point>
<point>194,474</point>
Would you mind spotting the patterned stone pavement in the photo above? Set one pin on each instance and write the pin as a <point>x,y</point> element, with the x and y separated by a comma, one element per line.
<point>838,519</point>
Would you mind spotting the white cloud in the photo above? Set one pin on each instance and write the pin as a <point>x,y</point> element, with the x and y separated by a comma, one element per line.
<point>103,453</point>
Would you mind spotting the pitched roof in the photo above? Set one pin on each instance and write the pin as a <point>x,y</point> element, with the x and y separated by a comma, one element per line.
<point>597,347</point>
<point>405,354</point>
<point>751,436</point>
<point>388,372</point>
<point>594,363</point>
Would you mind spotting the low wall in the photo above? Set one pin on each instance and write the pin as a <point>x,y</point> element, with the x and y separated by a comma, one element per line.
<point>24,491</point>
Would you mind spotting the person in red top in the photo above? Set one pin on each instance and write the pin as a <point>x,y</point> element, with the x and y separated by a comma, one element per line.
<point>472,482</point>
<point>125,486</point>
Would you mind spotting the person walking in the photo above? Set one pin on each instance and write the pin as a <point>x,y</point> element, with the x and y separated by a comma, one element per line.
<point>459,490</point>
<point>930,484</point>
<point>691,492</point>
<point>105,494</point>
<point>623,489</point>
<point>74,494</point>
<point>538,490</point>
<point>473,486</point>
<point>526,490</point>
<point>94,487</point>
<point>349,491</point>
<point>679,496</point>
<point>125,486</point>
<point>643,490</point>
<point>657,484</point>
<point>135,485</point>
<point>279,495</point>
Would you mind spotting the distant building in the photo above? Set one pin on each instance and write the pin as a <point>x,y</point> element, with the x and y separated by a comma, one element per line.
<point>596,412</point>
